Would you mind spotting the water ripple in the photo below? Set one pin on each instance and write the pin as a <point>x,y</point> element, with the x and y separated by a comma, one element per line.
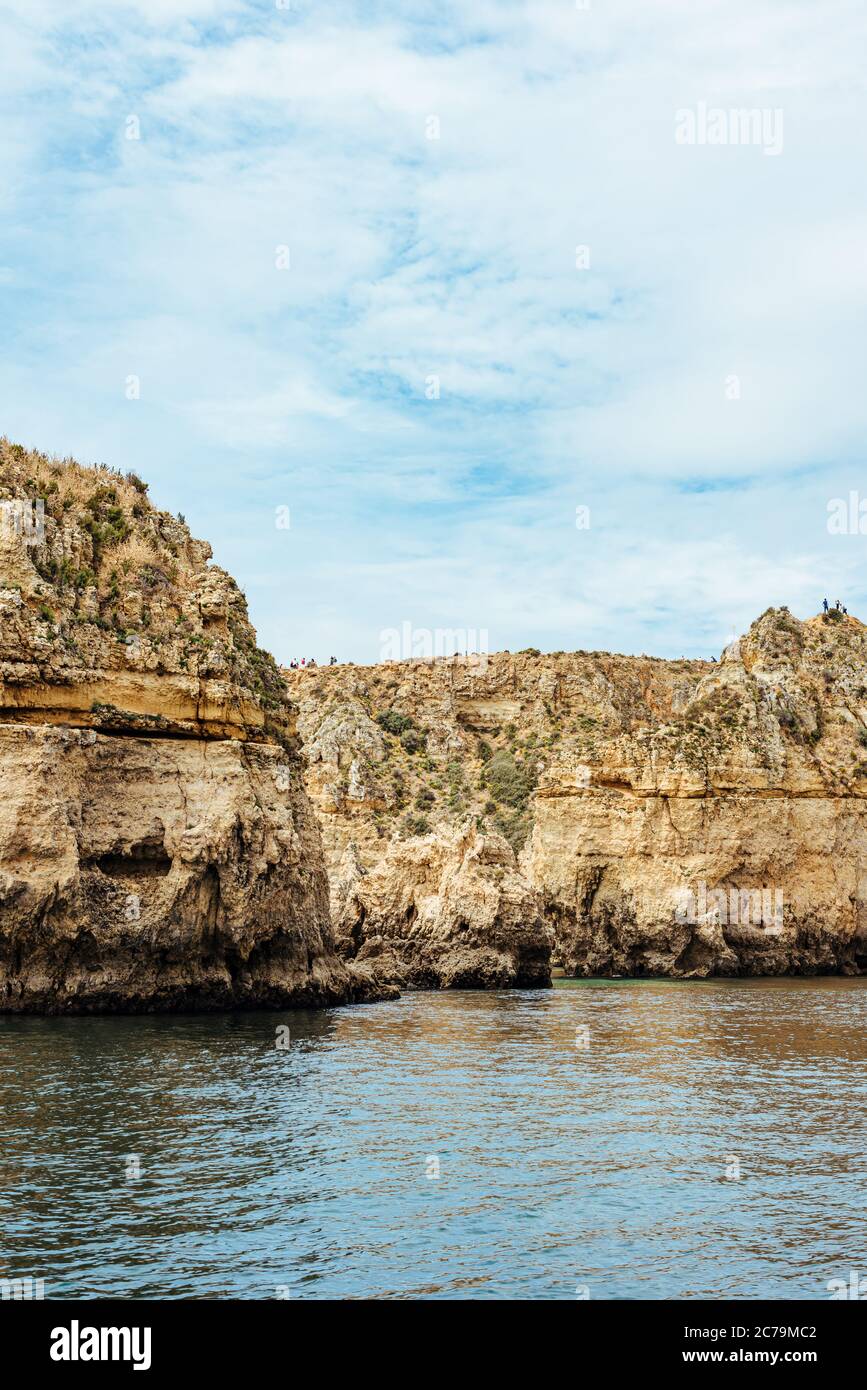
<point>308,1170</point>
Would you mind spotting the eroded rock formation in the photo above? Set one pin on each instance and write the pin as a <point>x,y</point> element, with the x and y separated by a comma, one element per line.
<point>677,818</point>
<point>445,911</point>
<point>478,821</point>
<point>157,847</point>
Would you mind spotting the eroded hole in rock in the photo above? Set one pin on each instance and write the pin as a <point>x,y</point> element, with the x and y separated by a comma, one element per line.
<point>144,860</point>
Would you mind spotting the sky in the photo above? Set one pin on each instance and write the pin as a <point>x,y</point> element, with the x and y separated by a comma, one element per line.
<point>519,337</point>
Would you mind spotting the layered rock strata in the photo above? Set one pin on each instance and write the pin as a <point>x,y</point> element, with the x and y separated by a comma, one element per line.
<point>157,847</point>
<point>651,817</point>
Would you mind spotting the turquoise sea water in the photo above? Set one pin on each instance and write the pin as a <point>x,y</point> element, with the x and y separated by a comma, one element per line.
<point>309,1170</point>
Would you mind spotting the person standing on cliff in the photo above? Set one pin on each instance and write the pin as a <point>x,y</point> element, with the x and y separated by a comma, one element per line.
<point>825,604</point>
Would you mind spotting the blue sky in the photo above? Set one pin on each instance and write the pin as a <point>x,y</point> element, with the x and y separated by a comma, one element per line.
<point>308,387</point>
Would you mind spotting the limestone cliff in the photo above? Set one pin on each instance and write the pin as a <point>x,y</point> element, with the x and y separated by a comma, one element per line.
<point>443,911</point>
<point>679,818</point>
<point>157,848</point>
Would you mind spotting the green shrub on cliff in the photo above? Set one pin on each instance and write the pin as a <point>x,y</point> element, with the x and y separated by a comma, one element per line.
<point>107,523</point>
<point>509,781</point>
<point>412,741</point>
<point>514,826</point>
<point>415,825</point>
<point>394,723</point>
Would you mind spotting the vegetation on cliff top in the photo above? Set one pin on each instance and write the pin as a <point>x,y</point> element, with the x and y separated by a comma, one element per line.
<point>114,581</point>
<point>788,698</point>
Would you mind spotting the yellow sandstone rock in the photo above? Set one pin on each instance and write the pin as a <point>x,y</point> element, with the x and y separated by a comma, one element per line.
<point>677,818</point>
<point>157,848</point>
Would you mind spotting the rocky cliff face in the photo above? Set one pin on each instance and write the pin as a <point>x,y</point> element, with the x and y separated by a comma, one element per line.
<point>647,817</point>
<point>443,911</point>
<point>157,848</point>
<point>477,821</point>
<point>425,889</point>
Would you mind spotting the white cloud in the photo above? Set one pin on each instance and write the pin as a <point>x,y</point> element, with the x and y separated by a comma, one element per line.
<point>455,257</point>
